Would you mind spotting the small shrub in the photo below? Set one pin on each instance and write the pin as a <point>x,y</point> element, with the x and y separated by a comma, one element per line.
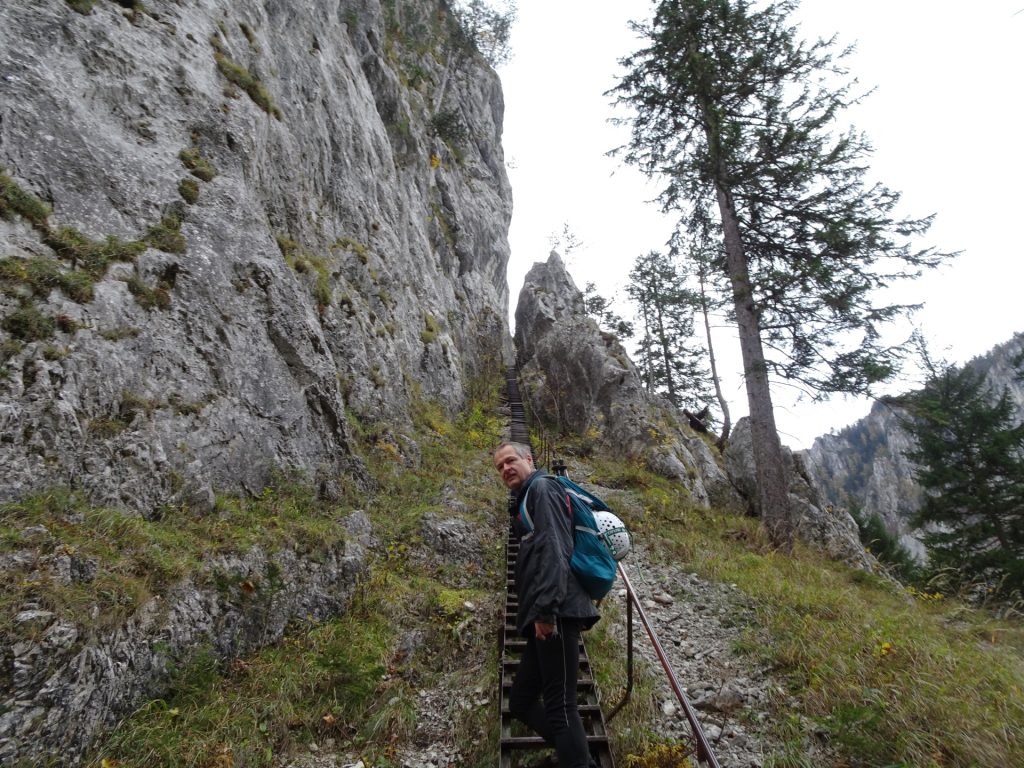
<point>29,324</point>
<point>185,408</point>
<point>661,756</point>
<point>377,377</point>
<point>105,428</point>
<point>447,125</point>
<point>9,348</point>
<point>305,263</point>
<point>67,324</point>
<point>166,236</point>
<point>14,199</point>
<point>189,191</point>
<point>132,405</point>
<point>42,275</point>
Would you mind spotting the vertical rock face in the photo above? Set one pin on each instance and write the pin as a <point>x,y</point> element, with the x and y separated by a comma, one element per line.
<point>581,380</point>
<point>866,467</point>
<point>263,216</point>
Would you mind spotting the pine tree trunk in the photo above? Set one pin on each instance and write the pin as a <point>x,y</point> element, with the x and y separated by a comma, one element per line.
<point>666,355</point>
<point>772,483</point>
<point>722,403</point>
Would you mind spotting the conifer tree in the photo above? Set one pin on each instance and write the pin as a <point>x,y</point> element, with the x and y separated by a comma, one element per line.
<point>669,361</point>
<point>600,308</point>
<point>697,257</point>
<point>971,456</point>
<point>737,114</point>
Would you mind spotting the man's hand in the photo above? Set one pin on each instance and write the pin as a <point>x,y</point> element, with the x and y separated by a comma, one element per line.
<point>544,631</point>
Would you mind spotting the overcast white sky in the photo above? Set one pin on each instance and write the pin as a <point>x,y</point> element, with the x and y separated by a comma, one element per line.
<point>945,120</point>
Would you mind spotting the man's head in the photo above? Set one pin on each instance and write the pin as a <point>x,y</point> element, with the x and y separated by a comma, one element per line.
<point>514,463</point>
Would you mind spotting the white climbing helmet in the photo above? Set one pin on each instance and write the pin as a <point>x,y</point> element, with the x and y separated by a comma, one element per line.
<point>613,533</point>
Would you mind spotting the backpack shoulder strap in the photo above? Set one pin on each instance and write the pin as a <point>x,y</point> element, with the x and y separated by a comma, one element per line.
<point>524,511</point>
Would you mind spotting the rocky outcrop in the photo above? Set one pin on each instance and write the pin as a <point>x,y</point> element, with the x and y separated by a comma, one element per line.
<point>66,686</point>
<point>581,381</point>
<point>866,466</point>
<point>825,525</point>
<point>229,225</point>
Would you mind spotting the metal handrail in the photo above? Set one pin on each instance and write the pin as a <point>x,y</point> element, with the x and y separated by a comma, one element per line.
<point>704,753</point>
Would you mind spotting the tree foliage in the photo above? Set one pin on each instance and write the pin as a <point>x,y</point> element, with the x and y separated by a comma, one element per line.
<point>670,361</point>
<point>737,114</point>
<point>487,27</point>
<point>601,309</point>
<point>971,455</point>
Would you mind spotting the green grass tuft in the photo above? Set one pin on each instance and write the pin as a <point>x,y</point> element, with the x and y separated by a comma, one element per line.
<point>430,330</point>
<point>189,191</point>
<point>166,236</point>
<point>27,323</point>
<point>353,245</point>
<point>43,275</point>
<point>13,199</point>
<point>146,297</point>
<point>83,7</point>
<point>244,79</point>
<point>90,255</point>
<point>197,165</point>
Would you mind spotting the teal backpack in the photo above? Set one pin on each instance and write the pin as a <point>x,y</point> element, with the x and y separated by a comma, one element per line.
<point>592,561</point>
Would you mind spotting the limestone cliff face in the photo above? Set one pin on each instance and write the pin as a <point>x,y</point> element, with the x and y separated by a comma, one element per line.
<point>865,466</point>
<point>263,216</point>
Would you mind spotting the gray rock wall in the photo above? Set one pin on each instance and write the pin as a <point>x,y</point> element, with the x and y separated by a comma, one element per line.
<point>64,687</point>
<point>865,466</point>
<point>346,255</point>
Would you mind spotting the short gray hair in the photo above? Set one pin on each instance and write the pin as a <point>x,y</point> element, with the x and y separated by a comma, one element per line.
<point>522,450</point>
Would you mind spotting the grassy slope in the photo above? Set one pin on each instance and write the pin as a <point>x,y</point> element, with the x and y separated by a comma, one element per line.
<point>895,678</point>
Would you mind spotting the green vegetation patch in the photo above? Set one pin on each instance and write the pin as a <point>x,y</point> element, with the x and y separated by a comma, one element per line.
<point>166,236</point>
<point>894,676</point>
<point>348,679</point>
<point>189,191</point>
<point>83,7</point>
<point>91,255</point>
<point>307,263</point>
<point>137,558</point>
<point>27,323</point>
<point>244,79</point>
<point>430,330</point>
<point>197,165</point>
<point>43,275</point>
<point>13,199</point>
<point>351,244</point>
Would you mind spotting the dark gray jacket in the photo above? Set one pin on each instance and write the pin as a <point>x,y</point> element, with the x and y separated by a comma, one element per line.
<point>546,587</point>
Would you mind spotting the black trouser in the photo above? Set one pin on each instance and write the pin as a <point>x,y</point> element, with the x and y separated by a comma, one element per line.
<point>544,694</point>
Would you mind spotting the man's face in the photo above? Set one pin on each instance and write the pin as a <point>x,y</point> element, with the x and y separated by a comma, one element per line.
<point>512,467</point>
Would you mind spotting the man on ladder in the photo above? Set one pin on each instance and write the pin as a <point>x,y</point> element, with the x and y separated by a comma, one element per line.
<point>553,608</point>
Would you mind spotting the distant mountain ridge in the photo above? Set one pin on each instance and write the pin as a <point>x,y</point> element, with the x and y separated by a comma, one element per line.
<point>864,467</point>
